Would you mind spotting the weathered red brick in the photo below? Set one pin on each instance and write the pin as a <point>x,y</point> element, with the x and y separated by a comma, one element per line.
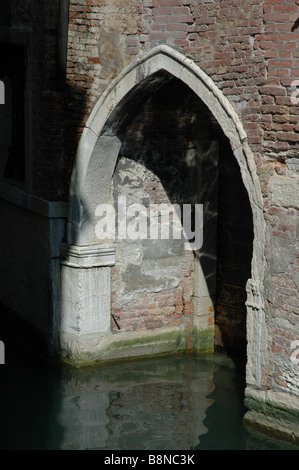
<point>273,90</point>
<point>172,3</point>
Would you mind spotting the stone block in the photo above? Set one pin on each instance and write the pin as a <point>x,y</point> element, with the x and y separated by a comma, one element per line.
<point>283,191</point>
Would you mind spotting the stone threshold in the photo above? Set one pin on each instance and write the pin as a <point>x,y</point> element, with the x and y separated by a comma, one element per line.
<point>92,349</point>
<point>273,413</point>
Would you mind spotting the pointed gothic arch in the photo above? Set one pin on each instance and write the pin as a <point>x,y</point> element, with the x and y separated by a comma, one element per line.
<point>95,162</point>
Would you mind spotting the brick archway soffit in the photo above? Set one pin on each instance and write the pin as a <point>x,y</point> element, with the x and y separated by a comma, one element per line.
<point>94,162</point>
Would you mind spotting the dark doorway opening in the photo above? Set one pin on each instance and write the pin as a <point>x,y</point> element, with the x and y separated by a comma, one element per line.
<point>234,254</point>
<point>12,113</point>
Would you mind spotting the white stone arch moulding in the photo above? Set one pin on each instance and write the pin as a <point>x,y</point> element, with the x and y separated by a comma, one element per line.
<point>96,159</point>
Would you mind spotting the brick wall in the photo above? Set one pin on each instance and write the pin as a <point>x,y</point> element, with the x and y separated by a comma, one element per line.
<point>278,45</point>
<point>279,121</point>
<point>246,47</point>
<point>218,36</point>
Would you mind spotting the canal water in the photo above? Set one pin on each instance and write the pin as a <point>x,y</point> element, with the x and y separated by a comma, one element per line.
<point>173,403</point>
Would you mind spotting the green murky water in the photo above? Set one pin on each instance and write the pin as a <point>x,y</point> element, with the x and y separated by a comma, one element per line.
<point>174,403</point>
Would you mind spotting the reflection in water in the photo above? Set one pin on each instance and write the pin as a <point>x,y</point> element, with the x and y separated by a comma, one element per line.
<point>156,404</point>
<point>178,403</point>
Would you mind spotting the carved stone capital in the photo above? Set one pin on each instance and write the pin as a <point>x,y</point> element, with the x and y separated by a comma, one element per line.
<point>92,256</point>
<point>255,298</point>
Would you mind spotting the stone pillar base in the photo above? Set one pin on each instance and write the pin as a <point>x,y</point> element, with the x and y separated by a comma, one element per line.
<point>85,294</point>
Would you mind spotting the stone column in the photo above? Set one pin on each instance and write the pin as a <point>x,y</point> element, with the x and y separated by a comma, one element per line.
<point>256,333</point>
<point>85,297</point>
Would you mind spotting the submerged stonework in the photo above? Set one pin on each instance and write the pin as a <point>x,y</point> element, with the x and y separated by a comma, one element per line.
<point>158,101</point>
